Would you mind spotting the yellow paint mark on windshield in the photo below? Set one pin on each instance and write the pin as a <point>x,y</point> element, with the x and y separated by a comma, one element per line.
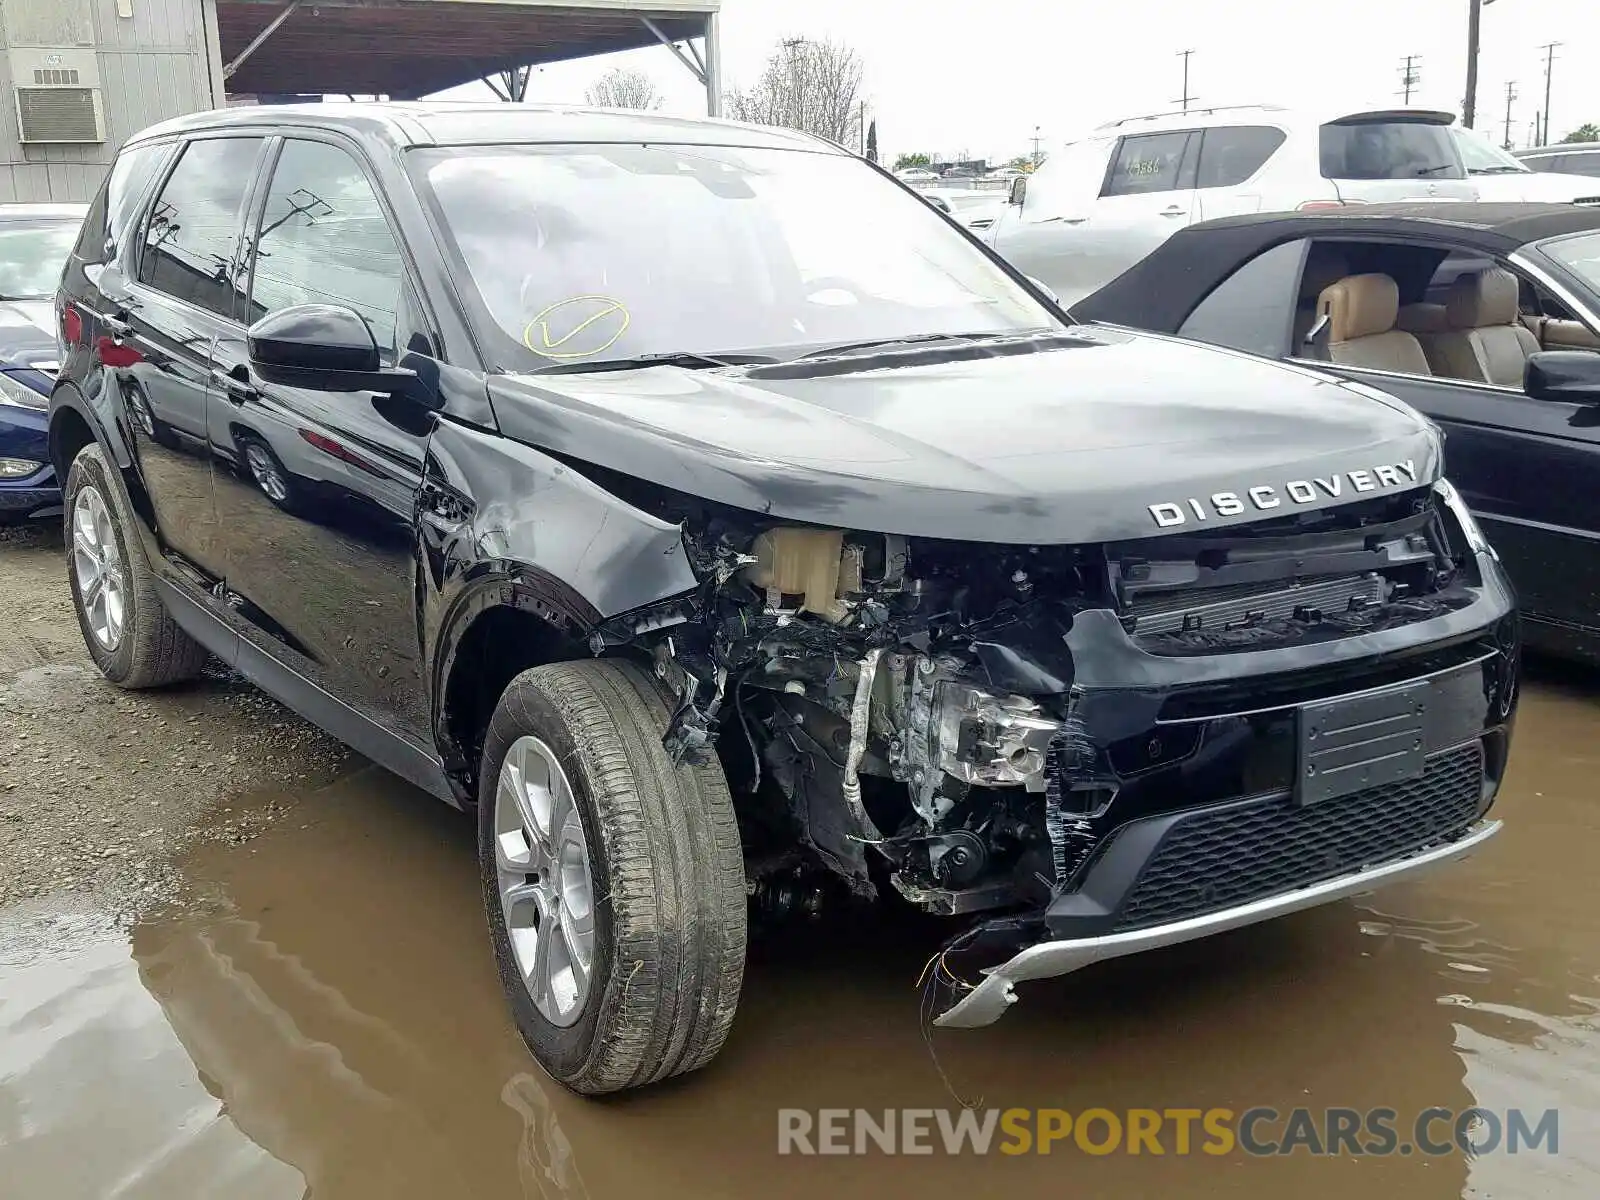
<point>599,322</point>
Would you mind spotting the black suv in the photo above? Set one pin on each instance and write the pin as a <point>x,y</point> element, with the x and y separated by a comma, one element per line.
<point>737,535</point>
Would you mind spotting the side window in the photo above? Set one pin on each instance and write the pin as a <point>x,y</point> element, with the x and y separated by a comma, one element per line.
<point>325,240</point>
<point>1230,154</point>
<point>1587,163</point>
<point>1253,308</point>
<point>1550,163</point>
<point>192,235</point>
<point>115,207</point>
<point>1151,162</point>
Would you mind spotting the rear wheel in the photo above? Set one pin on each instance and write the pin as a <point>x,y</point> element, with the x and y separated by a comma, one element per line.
<point>129,633</point>
<point>614,881</point>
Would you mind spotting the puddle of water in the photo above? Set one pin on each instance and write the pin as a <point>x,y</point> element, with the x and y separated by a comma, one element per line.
<point>322,1019</point>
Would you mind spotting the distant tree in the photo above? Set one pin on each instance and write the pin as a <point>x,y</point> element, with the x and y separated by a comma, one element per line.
<point>1584,133</point>
<point>913,160</point>
<point>807,85</point>
<point>1022,162</point>
<point>872,142</point>
<point>622,88</point>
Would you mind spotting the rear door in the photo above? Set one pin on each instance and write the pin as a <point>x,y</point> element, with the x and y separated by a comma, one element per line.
<point>1233,159</point>
<point>160,328</point>
<point>1375,157</point>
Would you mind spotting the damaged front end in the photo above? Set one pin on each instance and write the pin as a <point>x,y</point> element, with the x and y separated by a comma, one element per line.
<point>1070,743</point>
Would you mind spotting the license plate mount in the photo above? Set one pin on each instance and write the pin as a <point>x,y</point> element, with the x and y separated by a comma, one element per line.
<point>1357,742</point>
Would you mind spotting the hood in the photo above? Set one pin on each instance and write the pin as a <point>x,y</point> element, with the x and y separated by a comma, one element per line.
<point>27,335</point>
<point>1120,436</point>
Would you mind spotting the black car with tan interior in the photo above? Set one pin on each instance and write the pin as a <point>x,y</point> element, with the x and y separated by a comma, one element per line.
<point>736,535</point>
<point>1485,317</point>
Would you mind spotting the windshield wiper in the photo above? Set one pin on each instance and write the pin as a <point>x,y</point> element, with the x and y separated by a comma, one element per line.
<point>691,359</point>
<point>917,339</point>
<point>1497,170</point>
<point>1435,170</point>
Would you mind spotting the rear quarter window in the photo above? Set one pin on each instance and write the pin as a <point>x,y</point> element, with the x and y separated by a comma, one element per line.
<point>1388,150</point>
<point>1230,154</point>
<point>116,207</point>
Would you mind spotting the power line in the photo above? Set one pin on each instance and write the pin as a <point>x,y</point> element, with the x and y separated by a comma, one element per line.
<point>1410,75</point>
<point>1186,97</point>
<point>1549,49</point>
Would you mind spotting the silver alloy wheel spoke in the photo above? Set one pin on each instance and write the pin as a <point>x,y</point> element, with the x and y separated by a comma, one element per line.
<point>545,880</point>
<point>102,589</point>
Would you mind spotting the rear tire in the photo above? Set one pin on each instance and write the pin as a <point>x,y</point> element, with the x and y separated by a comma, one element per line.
<point>667,935</point>
<point>135,642</point>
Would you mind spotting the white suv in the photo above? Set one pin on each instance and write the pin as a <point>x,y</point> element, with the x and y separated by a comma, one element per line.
<point>1099,205</point>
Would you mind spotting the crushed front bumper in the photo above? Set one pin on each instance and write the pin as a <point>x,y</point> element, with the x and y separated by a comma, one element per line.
<point>986,1002</point>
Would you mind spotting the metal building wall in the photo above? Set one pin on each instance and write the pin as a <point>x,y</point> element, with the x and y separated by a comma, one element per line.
<point>155,58</point>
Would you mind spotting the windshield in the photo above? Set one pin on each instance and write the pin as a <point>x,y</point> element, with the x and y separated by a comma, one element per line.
<point>1581,256</point>
<point>32,256</point>
<point>600,253</point>
<point>1483,158</point>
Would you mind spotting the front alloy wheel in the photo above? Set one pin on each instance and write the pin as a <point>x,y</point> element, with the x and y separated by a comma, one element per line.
<point>546,886</point>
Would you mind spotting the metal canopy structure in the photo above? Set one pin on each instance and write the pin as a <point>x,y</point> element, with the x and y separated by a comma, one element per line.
<point>410,48</point>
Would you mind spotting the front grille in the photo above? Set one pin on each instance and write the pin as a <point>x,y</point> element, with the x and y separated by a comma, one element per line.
<point>1222,857</point>
<point>1220,608</point>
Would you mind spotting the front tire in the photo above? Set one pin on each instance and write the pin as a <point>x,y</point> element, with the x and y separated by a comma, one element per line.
<point>130,635</point>
<point>613,880</point>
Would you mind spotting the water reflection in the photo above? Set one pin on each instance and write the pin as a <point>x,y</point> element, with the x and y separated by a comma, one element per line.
<point>321,1018</point>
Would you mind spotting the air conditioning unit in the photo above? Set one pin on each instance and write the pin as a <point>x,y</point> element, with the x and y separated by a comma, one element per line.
<point>57,95</point>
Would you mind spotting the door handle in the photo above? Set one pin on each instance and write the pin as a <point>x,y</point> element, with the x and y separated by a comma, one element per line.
<point>236,383</point>
<point>1173,211</point>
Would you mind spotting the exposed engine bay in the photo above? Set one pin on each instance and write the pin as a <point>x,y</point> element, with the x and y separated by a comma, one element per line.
<point>912,701</point>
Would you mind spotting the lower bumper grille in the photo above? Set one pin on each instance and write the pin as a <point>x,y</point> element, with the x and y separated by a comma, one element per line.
<point>1222,857</point>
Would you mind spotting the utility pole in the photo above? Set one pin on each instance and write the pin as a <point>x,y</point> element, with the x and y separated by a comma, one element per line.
<point>1036,140</point>
<point>1410,75</point>
<point>1186,97</point>
<point>1469,103</point>
<point>1511,94</point>
<point>1549,49</point>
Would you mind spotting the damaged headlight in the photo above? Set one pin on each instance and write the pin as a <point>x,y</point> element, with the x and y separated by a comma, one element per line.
<point>1476,542</point>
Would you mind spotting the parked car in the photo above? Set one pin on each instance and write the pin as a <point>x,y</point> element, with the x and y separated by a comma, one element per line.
<point>916,175</point>
<point>35,240</point>
<point>1499,175</point>
<point>1567,158</point>
<point>1484,317</point>
<point>1097,206</point>
<point>756,538</point>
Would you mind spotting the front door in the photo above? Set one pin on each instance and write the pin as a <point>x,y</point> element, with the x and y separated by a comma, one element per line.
<point>317,488</point>
<point>159,328</point>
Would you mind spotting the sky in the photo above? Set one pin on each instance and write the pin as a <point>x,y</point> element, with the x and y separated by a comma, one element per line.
<point>945,77</point>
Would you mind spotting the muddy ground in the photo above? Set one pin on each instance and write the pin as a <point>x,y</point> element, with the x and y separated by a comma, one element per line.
<point>238,962</point>
<point>99,787</point>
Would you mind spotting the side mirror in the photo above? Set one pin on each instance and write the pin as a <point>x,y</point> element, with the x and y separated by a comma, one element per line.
<point>1019,191</point>
<point>326,347</point>
<point>1572,376</point>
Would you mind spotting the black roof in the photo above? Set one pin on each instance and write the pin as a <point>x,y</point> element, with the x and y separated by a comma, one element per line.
<point>1507,225</point>
<point>1205,254</point>
<point>455,122</point>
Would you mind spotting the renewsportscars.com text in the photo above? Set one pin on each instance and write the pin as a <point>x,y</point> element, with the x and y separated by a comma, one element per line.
<point>1258,1132</point>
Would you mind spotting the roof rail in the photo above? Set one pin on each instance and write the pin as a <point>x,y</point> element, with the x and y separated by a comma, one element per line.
<point>1192,112</point>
